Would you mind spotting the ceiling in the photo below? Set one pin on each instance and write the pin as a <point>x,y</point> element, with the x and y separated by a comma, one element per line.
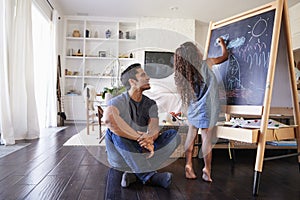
<point>202,10</point>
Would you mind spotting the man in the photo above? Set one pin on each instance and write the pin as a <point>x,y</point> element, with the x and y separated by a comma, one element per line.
<point>133,141</point>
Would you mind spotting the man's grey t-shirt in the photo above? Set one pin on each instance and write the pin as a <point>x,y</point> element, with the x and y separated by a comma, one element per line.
<point>136,114</point>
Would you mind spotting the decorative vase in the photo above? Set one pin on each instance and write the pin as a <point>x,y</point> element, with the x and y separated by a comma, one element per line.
<point>76,33</point>
<point>127,35</point>
<point>108,96</point>
<point>108,33</point>
<point>120,34</point>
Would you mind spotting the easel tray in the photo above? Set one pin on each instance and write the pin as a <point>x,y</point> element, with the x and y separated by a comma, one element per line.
<point>252,135</point>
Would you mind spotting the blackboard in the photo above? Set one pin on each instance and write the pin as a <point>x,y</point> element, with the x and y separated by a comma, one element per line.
<point>243,75</point>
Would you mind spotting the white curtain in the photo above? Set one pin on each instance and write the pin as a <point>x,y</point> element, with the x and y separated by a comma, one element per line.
<point>19,118</point>
<point>51,119</point>
<point>24,110</point>
<point>19,85</point>
<point>44,33</point>
<point>6,126</point>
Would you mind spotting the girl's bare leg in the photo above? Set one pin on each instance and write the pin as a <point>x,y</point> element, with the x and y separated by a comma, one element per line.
<point>206,135</point>
<point>189,146</point>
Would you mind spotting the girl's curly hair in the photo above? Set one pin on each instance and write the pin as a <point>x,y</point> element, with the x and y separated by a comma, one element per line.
<point>187,64</point>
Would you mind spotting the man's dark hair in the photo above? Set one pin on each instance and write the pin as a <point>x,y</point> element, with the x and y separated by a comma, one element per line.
<point>129,73</point>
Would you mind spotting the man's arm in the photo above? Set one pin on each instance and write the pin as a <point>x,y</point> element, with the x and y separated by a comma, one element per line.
<point>212,61</point>
<point>117,125</point>
<point>153,128</point>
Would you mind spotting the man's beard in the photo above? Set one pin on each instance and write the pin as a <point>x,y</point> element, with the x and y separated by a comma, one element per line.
<point>148,87</point>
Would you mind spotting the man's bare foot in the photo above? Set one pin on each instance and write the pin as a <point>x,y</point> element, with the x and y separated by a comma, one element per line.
<point>206,176</point>
<point>189,172</point>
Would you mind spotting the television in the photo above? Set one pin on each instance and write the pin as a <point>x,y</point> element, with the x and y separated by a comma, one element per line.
<point>159,64</point>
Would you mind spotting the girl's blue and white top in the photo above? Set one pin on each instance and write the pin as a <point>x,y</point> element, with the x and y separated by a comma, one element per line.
<point>203,112</point>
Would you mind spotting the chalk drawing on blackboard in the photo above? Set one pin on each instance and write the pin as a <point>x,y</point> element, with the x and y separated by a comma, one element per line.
<point>258,29</point>
<point>235,43</point>
<point>244,75</point>
<point>233,76</point>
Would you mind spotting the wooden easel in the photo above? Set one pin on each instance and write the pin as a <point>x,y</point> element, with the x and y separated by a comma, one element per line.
<point>280,31</point>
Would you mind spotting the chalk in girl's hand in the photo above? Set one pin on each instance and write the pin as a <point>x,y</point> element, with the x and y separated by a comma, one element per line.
<point>219,41</point>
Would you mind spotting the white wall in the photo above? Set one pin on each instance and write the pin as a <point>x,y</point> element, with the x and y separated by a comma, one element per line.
<point>165,34</point>
<point>201,34</point>
<point>295,25</point>
<point>180,27</point>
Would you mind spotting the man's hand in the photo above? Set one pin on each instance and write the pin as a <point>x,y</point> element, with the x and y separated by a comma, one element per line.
<point>146,141</point>
<point>150,148</point>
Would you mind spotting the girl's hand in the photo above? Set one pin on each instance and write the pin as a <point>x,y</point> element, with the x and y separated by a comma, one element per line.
<point>221,41</point>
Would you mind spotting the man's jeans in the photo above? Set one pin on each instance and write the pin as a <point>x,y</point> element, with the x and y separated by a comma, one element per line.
<point>127,155</point>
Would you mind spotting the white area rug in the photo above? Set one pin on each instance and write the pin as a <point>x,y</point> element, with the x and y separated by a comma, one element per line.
<point>45,132</point>
<point>6,150</point>
<point>83,139</point>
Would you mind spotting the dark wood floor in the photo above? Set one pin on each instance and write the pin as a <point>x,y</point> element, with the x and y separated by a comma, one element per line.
<point>48,170</point>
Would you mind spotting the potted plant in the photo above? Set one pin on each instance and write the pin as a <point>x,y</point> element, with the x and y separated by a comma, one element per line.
<point>108,93</point>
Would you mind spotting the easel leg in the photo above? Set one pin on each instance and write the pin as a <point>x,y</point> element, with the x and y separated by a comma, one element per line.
<point>259,161</point>
<point>256,183</point>
<point>233,157</point>
<point>232,152</point>
<point>298,145</point>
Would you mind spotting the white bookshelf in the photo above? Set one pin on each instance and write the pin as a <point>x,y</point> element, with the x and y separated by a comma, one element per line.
<point>93,58</point>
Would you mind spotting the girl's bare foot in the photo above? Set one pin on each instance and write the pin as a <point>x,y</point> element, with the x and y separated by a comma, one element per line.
<point>206,175</point>
<point>189,172</point>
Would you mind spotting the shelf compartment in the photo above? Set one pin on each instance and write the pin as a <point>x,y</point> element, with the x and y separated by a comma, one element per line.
<point>99,83</point>
<point>252,135</point>
<point>74,25</point>
<point>101,48</point>
<point>99,58</point>
<point>100,77</point>
<point>73,85</point>
<point>100,40</point>
<point>98,29</point>
<point>100,67</point>
<point>75,38</point>
<point>127,30</point>
<point>73,46</point>
<point>71,76</point>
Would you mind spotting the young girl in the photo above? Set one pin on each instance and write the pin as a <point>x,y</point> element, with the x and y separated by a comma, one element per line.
<point>198,87</point>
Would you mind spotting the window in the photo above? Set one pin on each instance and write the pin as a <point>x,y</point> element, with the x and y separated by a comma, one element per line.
<point>44,68</point>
